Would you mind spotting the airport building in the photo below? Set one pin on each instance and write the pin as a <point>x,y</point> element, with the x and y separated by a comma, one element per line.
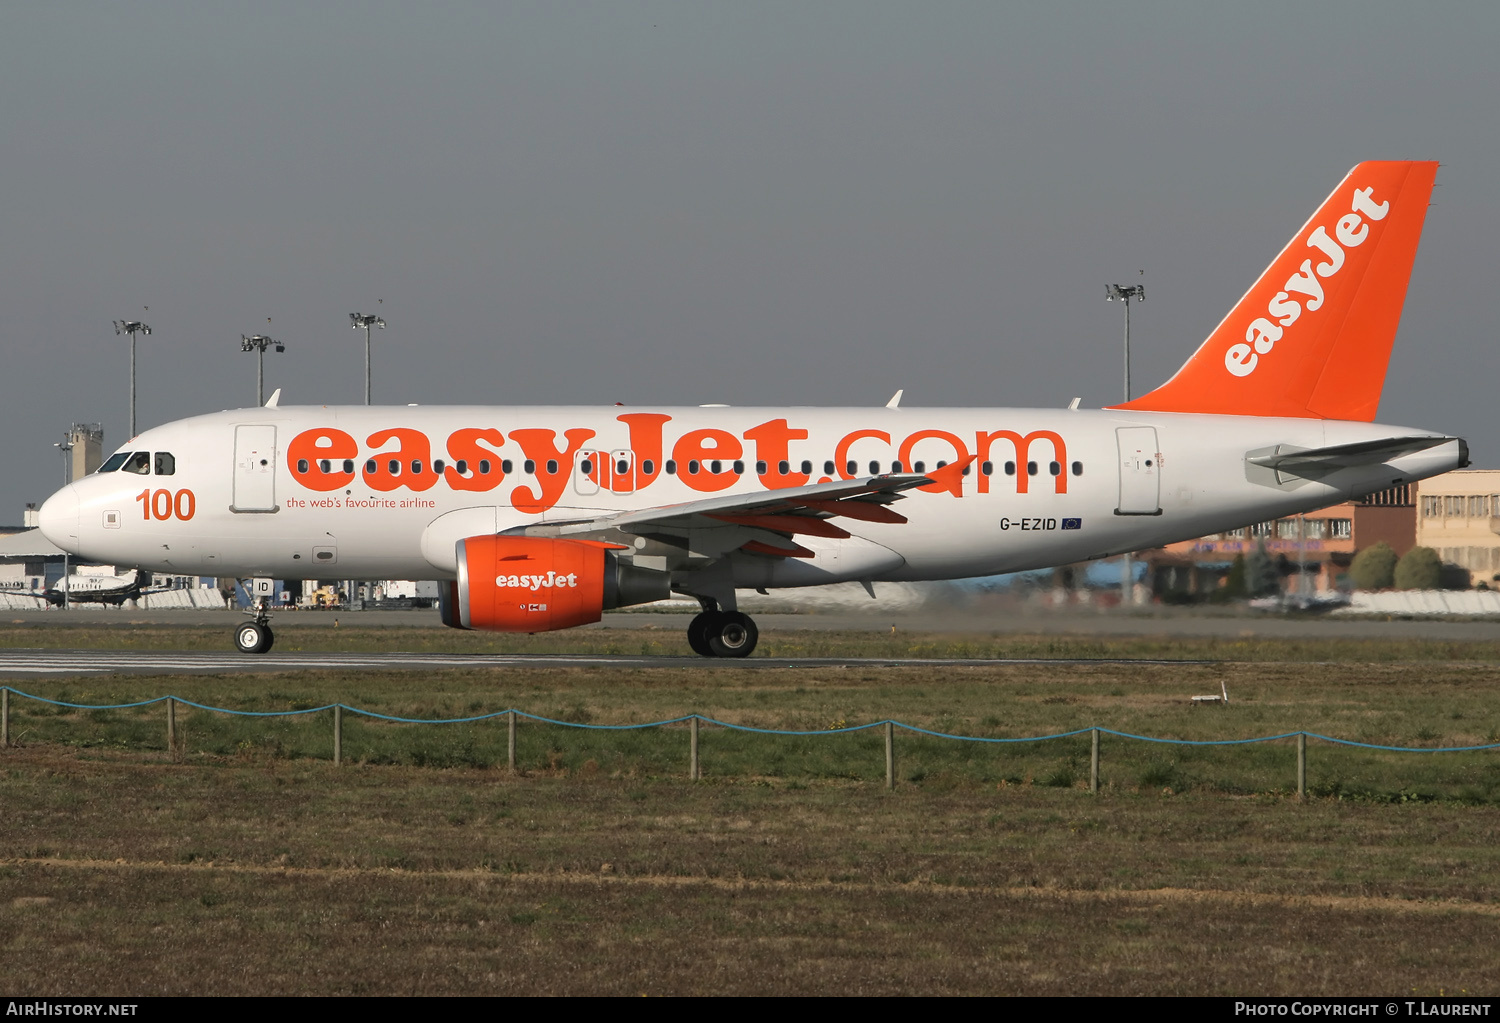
<point>1459,517</point>
<point>1323,543</point>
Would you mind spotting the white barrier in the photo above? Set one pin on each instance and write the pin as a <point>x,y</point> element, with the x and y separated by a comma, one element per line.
<point>1424,602</point>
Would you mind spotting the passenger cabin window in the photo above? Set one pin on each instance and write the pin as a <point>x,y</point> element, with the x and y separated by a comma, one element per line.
<point>529,465</point>
<point>461,467</point>
<point>806,468</point>
<point>671,467</point>
<point>323,466</point>
<point>115,461</point>
<point>506,466</point>
<point>648,467</point>
<point>827,468</point>
<point>484,467</point>
<point>1077,468</point>
<point>138,463</point>
<point>586,466</point>
<point>166,465</point>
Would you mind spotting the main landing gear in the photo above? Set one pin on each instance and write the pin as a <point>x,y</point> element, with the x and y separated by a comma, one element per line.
<point>716,633</point>
<point>255,636</point>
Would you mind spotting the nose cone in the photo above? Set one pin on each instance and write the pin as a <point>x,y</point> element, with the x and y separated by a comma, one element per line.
<point>58,519</point>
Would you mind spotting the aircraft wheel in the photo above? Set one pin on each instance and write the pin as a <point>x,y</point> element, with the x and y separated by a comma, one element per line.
<point>698,631</point>
<point>735,635</point>
<point>251,638</point>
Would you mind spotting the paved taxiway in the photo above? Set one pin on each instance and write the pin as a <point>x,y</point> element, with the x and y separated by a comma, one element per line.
<point>1161,621</point>
<point>1168,623</point>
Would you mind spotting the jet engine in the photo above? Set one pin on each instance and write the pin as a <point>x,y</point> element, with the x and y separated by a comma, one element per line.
<point>538,584</point>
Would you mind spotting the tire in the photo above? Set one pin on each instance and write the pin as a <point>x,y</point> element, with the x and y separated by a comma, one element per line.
<point>251,638</point>
<point>735,635</point>
<point>698,631</point>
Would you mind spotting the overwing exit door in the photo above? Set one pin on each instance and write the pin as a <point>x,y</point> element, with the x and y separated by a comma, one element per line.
<point>1140,471</point>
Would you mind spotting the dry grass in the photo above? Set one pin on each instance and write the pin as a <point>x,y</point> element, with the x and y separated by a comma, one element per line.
<point>127,875</point>
<point>246,863</point>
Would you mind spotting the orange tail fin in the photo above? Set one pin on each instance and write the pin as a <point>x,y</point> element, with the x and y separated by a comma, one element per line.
<point>1312,338</point>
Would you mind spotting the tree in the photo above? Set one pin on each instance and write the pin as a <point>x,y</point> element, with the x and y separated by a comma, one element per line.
<point>1419,569</point>
<point>1374,568</point>
<point>1234,583</point>
<point>1261,577</point>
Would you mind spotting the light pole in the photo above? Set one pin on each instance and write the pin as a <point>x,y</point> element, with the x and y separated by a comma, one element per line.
<point>258,343</point>
<point>131,327</point>
<point>357,321</point>
<point>1125,293</point>
<point>66,447</point>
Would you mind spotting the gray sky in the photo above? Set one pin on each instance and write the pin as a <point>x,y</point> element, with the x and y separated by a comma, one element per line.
<point>753,203</point>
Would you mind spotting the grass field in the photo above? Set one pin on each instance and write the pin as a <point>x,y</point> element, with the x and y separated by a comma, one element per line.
<point>245,862</point>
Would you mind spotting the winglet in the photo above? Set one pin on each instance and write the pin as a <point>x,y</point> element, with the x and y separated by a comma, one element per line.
<point>274,398</point>
<point>1312,337</point>
<point>895,401</point>
<point>950,477</point>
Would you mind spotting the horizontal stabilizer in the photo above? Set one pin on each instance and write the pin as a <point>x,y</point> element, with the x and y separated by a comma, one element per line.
<point>1318,462</point>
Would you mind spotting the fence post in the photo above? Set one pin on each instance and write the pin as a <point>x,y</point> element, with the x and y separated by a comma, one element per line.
<point>171,726</point>
<point>890,755</point>
<point>4,717</point>
<point>1301,765</point>
<point>338,734</point>
<point>1094,764</point>
<point>511,735</point>
<point>693,753</point>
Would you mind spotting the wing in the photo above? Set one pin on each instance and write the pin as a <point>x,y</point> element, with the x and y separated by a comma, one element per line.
<point>762,523</point>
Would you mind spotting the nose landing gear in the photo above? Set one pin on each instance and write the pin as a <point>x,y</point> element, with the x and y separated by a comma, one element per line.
<point>255,636</point>
<point>716,633</point>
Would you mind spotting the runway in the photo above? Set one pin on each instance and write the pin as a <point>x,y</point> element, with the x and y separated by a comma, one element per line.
<point>16,664</point>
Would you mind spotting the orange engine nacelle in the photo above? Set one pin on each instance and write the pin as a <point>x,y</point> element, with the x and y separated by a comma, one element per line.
<point>538,584</point>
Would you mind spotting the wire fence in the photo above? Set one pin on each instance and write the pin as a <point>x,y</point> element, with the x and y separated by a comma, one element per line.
<point>888,727</point>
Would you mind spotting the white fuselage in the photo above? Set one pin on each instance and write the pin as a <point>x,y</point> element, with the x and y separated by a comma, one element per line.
<point>248,495</point>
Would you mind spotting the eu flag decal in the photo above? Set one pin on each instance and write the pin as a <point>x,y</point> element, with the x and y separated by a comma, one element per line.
<point>1072,523</point>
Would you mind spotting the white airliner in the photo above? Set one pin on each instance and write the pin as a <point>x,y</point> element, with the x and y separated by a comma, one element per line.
<point>540,518</point>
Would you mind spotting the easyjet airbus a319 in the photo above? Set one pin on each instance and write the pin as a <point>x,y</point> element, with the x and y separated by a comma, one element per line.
<point>541,518</point>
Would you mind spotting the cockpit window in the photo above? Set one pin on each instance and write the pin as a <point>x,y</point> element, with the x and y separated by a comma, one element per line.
<point>166,465</point>
<point>115,461</point>
<point>138,462</point>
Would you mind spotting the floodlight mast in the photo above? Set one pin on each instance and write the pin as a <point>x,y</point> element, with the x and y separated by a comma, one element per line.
<point>131,327</point>
<point>258,343</point>
<point>1125,293</point>
<point>357,321</point>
